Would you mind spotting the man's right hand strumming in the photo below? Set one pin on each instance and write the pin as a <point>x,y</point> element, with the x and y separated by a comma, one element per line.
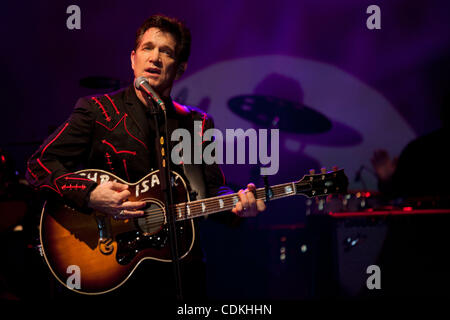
<point>112,198</point>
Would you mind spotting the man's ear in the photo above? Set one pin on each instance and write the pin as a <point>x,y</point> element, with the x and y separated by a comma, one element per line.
<point>180,70</point>
<point>133,53</point>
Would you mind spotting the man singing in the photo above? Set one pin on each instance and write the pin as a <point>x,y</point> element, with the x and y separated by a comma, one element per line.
<point>116,133</point>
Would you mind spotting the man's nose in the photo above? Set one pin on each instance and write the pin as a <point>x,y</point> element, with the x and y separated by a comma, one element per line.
<point>155,56</point>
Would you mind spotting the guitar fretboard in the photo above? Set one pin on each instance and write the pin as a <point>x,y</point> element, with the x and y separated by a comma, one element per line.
<point>189,210</point>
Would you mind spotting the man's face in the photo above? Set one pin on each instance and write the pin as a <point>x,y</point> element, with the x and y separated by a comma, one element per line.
<point>155,59</point>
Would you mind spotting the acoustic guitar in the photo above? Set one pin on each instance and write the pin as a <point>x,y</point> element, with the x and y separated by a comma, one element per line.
<point>95,253</point>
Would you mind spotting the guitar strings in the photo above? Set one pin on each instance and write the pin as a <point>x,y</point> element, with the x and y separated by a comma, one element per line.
<point>196,208</point>
<point>154,217</point>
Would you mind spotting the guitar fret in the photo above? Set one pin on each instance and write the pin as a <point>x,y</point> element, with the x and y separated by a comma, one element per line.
<point>227,202</point>
<point>288,189</point>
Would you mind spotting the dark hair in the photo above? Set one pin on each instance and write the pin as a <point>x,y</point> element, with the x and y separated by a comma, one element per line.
<point>173,26</point>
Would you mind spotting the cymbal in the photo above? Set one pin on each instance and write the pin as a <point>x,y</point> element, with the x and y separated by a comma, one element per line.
<point>101,82</point>
<point>273,112</point>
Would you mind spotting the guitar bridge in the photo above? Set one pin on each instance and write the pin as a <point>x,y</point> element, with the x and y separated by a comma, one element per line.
<point>105,241</point>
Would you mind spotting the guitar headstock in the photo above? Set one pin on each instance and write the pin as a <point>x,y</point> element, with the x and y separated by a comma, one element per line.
<point>323,183</point>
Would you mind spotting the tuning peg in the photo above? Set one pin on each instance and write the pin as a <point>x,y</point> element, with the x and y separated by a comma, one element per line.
<point>335,168</point>
<point>323,170</point>
<point>312,171</point>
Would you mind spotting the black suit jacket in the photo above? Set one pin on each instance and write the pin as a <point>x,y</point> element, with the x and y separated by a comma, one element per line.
<point>112,133</point>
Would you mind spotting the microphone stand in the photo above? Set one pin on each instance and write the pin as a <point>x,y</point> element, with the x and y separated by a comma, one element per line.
<point>166,188</point>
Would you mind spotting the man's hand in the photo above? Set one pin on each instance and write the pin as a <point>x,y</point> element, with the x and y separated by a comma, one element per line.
<point>384,167</point>
<point>248,206</point>
<point>112,198</point>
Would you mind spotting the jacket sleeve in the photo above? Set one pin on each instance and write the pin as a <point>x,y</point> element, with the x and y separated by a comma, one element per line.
<point>50,169</point>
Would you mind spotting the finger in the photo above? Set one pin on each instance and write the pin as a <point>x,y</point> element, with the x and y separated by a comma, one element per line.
<point>251,187</point>
<point>127,214</point>
<point>133,205</point>
<point>251,200</point>
<point>119,186</point>
<point>132,213</point>
<point>260,205</point>
<point>123,195</point>
<point>237,208</point>
<point>243,198</point>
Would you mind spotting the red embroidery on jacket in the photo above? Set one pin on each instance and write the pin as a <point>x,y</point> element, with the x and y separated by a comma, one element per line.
<point>118,152</point>
<point>126,129</point>
<point>112,102</point>
<point>114,126</point>
<point>65,186</point>
<point>108,118</point>
<point>125,167</point>
<point>203,127</point>
<point>56,190</point>
<point>223,176</point>
<point>65,176</point>
<point>59,133</point>
<point>203,123</point>
<point>42,165</point>
<point>76,178</point>
<point>180,108</point>
<point>42,153</point>
<point>108,161</point>
<point>125,125</point>
<point>31,172</point>
<point>74,187</point>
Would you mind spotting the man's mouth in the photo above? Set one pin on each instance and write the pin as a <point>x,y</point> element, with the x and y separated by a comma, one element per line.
<point>154,71</point>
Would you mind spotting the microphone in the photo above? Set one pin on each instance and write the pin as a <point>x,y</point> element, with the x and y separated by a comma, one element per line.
<point>142,84</point>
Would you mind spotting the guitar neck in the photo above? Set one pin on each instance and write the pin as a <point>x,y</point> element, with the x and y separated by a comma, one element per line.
<point>203,207</point>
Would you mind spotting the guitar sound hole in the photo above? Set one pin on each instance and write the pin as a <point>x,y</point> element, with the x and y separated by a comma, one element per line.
<point>153,220</point>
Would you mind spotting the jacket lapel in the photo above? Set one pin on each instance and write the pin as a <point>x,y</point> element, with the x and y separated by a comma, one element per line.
<point>136,113</point>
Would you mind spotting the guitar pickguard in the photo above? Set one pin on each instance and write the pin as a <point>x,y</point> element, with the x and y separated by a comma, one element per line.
<point>129,244</point>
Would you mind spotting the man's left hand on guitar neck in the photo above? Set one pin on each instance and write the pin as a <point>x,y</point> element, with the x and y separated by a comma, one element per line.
<point>248,206</point>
